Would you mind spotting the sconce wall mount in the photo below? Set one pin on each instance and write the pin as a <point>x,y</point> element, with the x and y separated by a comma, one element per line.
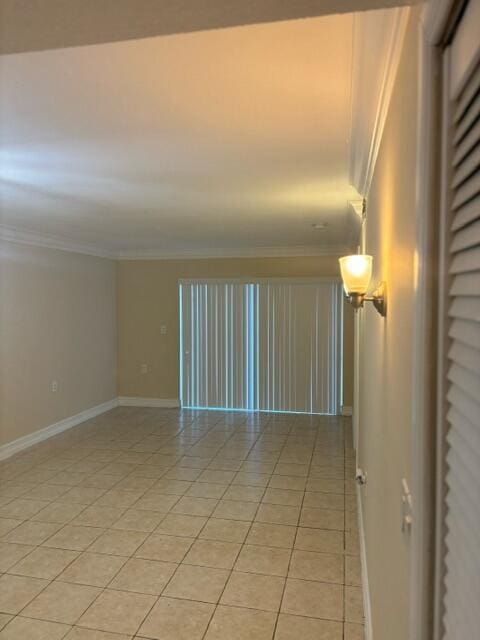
<point>378,298</point>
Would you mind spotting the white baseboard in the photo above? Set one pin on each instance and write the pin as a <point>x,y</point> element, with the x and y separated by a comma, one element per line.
<point>161,403</point>
<point>24,442</point>
<point>347,411</point>
<point>367,609</point>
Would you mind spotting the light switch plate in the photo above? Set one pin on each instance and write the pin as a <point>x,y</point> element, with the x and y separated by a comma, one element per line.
<point>407,508</point>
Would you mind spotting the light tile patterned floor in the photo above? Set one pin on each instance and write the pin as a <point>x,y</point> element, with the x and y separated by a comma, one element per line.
<point>182,525</point>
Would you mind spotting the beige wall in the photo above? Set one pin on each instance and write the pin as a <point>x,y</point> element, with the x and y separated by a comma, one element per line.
<point>386,355</point>
<point>148,298</point>
<point>57,321</point>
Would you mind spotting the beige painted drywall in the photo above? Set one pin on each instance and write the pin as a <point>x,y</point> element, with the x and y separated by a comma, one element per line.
<point>57,321</point>
<point>385,379</point>
<point>148,298</point>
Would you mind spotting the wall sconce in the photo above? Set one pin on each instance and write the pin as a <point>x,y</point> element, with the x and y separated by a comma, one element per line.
<point>356,273</point>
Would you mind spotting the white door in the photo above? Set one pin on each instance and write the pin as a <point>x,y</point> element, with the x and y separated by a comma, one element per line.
<point>458,602</point>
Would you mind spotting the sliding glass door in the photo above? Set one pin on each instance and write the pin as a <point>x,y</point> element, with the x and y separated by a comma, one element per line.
<point>266,345</point>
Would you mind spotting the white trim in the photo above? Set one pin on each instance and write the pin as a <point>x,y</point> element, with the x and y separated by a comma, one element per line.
<point>386,29</point>
<point>346,411</point>
<point>11,234</point>
<point>355,219</point>
<point>162,403</point>
<point>434,23</point>
<point>24,442</point>
<point>357,207</point>
<point>367,607</point>
<point>246,252</point>
<point>423,350</point>
<point>19,236</point>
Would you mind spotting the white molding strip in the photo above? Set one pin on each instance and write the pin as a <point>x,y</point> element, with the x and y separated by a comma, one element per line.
<point>18,236</point>
<point>247,252</point>
<point>11,234</point>
<point>367,608</point>
<point>346,410</point>
<point>162,403</point>
<point>24,442</point>
<point>377,47</point>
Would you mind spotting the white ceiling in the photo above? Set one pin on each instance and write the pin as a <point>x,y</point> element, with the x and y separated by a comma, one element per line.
<point>225,140</point>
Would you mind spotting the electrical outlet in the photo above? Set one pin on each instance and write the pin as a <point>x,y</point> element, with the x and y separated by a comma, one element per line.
<point>54,386</point>
<point>163,329</point>
<point>143,368</point>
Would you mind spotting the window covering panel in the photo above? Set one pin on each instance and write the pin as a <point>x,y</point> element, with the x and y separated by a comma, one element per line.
<point>268,346</point>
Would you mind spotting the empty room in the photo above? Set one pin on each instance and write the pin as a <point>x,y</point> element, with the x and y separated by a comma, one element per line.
<point>239,320</point>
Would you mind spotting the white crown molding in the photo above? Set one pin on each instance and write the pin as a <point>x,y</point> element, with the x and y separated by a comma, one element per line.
<point>355,219</point>
<point>18,236</point>
<point>357,207</point>
<point>377,47</point>
<point>162,403</point>
<point>11,234</point>
<point>24,442</point>
<point>247,252</point>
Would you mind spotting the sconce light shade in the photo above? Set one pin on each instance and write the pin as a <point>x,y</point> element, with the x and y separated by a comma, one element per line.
<point>356,273</point>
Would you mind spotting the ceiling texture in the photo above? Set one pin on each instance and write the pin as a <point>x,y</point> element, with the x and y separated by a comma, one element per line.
<point>228,141</point>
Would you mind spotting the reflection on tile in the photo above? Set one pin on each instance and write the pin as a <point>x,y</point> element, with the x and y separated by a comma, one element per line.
<point>29,629</point>
<point>17,591</point>
<point>273,535</point>
<point>309,565</point>
<point>143,576</point>
<point>354,631</point>
<point>120,543</point>
<point>212,553</point>
<point>225,530</point>
<point>11,553</point>
<point>176,524</point>
<point>313,599</point>
<point>197,583</point>
<point>61,602</point>
<point>163,547</point>
<point>44,563</point>
<point>353,604</point>
<point>177,620</point>
<point>117,611</point>
<point>92,569</point>
<point>240,624</point>
<point>74,537</point>
<point>295,627</point>
<point>271,561</point>
<point>253,591</point>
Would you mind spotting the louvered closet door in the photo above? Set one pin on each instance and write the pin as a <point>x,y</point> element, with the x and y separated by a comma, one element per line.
<point>461,593</point>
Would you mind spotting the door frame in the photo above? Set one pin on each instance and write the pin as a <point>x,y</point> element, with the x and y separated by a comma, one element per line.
<point>437,21</point>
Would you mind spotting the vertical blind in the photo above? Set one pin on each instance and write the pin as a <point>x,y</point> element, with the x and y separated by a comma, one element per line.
<point>268,346</point>
<point>461,581</point>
